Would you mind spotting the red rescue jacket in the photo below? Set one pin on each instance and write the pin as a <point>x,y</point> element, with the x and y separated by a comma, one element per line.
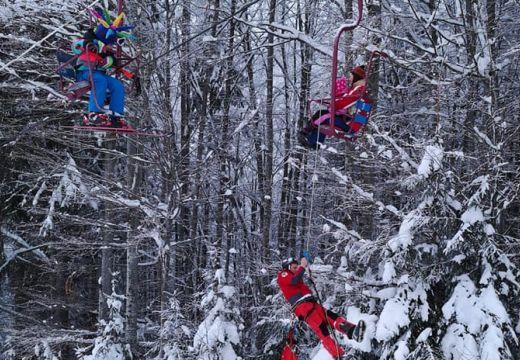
<point>292,286</point>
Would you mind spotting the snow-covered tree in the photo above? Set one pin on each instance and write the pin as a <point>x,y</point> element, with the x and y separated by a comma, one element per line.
<point>419,216</point>
<point>110,344</point>
<point>219,335</point>
<point>174,333</point>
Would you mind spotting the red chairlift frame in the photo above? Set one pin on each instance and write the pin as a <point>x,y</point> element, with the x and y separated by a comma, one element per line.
<point>330,129</point>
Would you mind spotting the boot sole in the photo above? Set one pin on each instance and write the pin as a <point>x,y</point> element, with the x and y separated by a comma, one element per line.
<point>359,334</point>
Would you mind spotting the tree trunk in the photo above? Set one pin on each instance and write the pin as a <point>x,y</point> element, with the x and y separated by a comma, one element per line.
<point>268,154</point>
<point>472,87</point>
<point>132,291</point>
<point>108,237</point>
<point>230,82</point>
<point>132,284</point>
<point>223,175</point>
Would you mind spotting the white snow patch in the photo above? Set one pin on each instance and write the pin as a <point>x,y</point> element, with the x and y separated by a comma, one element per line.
<point>388,272</point>
<point>227,291</point>
<point>396,312</point>
<point>424,335</point>
<point>387,293</point>
<point>431,160</point>
<point>472,310</point>
<point>404,238</point>
<point>321,354</point>
<point>458,344</point>
<point>220,276</point>
<point>402,351</point>
<point>395,315</point>
<point>471,216</point>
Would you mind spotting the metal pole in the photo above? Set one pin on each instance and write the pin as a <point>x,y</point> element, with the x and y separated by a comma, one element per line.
<point>347,27</point>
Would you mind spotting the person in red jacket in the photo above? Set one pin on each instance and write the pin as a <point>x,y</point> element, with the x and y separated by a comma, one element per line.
<point>306,307</point>
<point>348,92</point>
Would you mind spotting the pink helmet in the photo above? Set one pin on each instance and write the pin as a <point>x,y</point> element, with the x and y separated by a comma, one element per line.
<point>341,85</point>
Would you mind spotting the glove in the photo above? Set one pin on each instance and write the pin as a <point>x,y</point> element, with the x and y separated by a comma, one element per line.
<point>107,62</point>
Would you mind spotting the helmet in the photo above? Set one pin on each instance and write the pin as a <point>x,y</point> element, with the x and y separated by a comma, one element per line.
<point>287,262</point>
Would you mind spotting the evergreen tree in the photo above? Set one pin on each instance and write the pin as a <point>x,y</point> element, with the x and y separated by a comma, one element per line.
<point>110,344</point>
<point>219,335</point>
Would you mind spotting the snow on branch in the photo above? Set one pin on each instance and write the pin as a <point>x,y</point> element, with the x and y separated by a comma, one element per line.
<point>473,213</point>
<point>219,333</point>
<point>288,33</point>
<point>70,185</point>
<point>364,194</point>
<point>409,302</point>
<point>430,163</point>
<point>412,221</point>
<point>25,245</point>
<point>399,149</point>
<point>476,317</point>
<point>487,140</point>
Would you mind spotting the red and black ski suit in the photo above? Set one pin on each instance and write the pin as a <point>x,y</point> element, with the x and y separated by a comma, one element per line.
<point>305,306</point>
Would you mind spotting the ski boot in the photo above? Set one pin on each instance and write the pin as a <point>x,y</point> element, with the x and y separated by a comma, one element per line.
<point>353,332</point>
<point>118,122</point>
<point>95,119</point>
<point>359,331</point>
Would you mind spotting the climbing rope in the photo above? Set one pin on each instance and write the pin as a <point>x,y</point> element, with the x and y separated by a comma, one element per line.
<point>311,207</point>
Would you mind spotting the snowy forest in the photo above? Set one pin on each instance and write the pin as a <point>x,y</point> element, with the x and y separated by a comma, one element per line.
<point>167,247</point>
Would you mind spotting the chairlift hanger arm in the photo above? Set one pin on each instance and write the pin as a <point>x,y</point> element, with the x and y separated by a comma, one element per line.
<point>341,30</point>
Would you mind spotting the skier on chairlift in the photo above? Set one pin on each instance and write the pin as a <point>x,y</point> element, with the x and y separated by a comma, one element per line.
<point>348,92</point>
<point>95,64</point>
<point>308,309</point>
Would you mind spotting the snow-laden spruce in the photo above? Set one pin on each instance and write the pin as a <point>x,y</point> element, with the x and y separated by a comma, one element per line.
<point>110,344</point>
<point>218,336</point>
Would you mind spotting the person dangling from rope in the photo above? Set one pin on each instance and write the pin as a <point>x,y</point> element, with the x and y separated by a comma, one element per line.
<point>96,64</point>
<point>308,308</point>
<point>348,92</point>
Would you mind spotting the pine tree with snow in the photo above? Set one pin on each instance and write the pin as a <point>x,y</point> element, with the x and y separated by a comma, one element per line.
<point>174,333</point>
<point>437,280</point>
<point>218,336</point>
<point>43,351</point>
<point>110,344</point>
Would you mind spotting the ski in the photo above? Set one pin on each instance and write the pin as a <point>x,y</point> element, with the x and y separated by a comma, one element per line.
<point>123,131</point>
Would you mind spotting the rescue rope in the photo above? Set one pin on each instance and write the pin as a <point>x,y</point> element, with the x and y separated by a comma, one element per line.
<point>326,317</point>
<point>311,207</point>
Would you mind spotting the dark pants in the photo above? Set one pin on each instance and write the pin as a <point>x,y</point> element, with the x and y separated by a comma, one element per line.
<point>313,136</point>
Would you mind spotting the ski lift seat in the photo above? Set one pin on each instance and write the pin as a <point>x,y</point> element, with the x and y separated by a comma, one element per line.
<point>355,122</point>
<point>67,69</point>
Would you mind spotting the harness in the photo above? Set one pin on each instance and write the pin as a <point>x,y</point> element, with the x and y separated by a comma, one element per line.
<point>309,298</point>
